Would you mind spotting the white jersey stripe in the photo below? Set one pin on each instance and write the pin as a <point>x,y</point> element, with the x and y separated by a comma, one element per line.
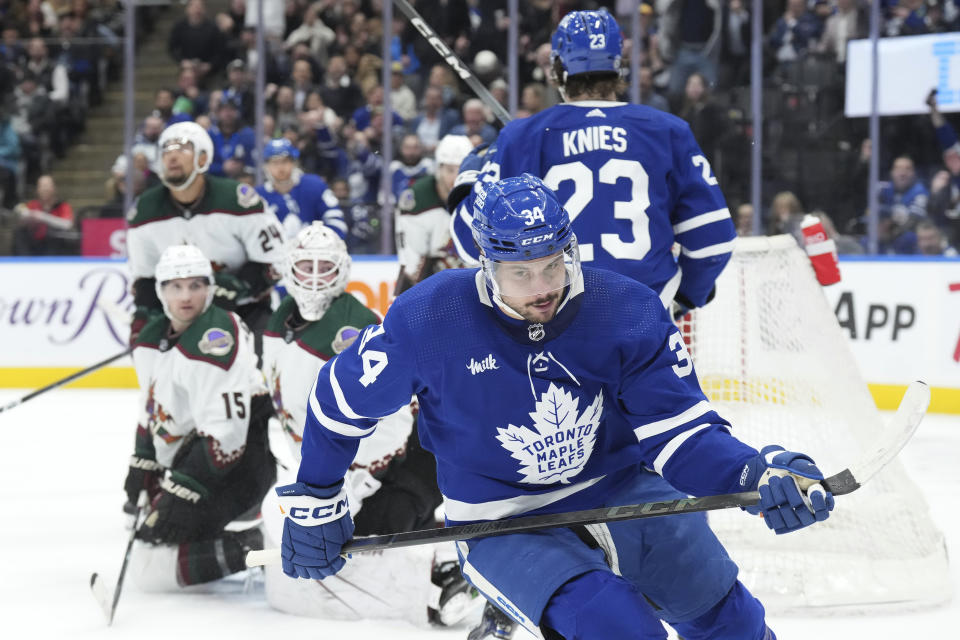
<point>342,404</point>
<point>710,251</point>
<point>660,426</point>
<point>701,220</point>
<point>497,509</point>
<point>671,447</point>
<point>336,426</point>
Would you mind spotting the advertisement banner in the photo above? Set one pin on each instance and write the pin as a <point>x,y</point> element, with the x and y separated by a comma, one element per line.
<point>909,67</point>
<point>104,237</point>
<point>901,317</point>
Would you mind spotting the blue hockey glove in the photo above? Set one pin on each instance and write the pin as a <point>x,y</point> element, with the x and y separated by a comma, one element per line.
<point>786,506</point>
<point>470,168</point>
<point>316,526</point>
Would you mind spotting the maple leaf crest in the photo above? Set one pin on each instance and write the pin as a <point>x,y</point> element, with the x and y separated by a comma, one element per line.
<point>560,443</point>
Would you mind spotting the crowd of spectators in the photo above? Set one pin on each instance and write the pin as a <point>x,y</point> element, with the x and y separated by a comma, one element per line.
<point>323,70</point>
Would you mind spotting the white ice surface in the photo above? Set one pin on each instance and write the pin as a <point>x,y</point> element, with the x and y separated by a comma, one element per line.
<point>63,459</point>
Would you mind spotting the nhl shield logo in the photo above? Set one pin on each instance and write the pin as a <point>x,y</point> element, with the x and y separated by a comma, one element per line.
<point>216,342</point>
<point>536,332</point>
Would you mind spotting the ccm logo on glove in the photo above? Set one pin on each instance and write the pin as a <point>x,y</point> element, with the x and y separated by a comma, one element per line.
<point>309,514</point>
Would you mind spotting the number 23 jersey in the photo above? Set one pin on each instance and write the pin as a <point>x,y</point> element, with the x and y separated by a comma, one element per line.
<point>633,180</point>
<point>526,418</point>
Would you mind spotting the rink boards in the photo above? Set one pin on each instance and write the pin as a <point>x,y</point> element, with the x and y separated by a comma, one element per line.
<point>57,315</point>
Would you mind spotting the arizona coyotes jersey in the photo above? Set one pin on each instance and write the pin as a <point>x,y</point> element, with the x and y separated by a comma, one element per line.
<point>199,383</point>
<point>633,180</point>
<point>422,230</point>
<point>527,418</point>
<point>228,223</point>
<point>291,360</point>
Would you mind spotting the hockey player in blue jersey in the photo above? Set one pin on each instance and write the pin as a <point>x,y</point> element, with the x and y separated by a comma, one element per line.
<point>632,178</point>
<point>295,197</point>
<point>545,388</point>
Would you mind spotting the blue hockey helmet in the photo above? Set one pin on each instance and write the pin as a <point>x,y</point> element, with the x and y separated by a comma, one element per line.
<point>587,41</point>
<point>520,220</point>
<point>280,147</point>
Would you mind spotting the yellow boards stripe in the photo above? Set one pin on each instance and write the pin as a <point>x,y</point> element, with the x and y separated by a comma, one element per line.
<point>36,377</point>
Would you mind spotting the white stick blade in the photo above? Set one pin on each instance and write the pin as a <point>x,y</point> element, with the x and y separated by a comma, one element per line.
<point>102,595</point>
<point>261,557</point>
<point>899,430</point>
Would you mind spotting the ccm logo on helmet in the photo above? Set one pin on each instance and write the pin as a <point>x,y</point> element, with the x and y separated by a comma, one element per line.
<point>536,239</point>
<point>318,513</point>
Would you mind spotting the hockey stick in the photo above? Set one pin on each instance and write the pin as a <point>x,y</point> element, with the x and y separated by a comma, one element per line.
<point>900,429</point>
<point>60,383</point>
<point>107,602</point>
<point>451,59</point>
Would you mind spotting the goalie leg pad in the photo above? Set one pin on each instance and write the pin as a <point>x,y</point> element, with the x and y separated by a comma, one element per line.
<point>599,605</point>
<point>739,616</point>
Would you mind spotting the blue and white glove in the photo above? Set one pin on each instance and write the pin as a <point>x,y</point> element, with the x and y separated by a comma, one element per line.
<point>785,506</point>
<point>316,527</point>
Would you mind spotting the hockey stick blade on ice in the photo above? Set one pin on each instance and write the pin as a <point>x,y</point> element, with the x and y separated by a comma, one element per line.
<point>106,600</point>
<point>899,431</point>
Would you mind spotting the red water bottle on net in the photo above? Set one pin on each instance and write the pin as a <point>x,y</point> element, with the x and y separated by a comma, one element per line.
<point>821,250</point>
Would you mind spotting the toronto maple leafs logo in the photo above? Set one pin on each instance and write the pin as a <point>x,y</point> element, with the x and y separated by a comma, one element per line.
<point>561,441</point>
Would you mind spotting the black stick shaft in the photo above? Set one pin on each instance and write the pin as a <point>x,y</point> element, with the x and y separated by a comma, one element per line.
<point>839,484</point>
<point>68,379</point>
<point>451,59</point>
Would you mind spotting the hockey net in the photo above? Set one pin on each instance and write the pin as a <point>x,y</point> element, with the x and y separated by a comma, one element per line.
<point>774,362</point>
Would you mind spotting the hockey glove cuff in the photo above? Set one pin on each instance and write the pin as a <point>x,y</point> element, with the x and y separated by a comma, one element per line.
<point>316,527</point>
<point>179,511</point>
<point>143,474</point>
<point>791,496</point>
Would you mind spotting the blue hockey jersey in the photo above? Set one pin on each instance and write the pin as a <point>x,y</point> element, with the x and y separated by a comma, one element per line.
<point>527,418</point>
<point>310,199</point>
<point>633,180</point>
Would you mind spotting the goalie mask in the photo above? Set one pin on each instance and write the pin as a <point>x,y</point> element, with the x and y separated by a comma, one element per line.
<point>183,136</point>
<point>316,269</point>
<point>183,261</point>
<point>528,247</point>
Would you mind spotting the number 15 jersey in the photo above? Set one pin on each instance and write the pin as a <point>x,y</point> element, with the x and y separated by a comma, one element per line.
<point>633,180</point>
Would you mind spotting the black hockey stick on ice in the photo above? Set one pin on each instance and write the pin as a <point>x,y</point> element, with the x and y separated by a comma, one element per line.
<point>899,431</point>
<point>107,601</point>
<point>451,59</point>
<point>68,379</point>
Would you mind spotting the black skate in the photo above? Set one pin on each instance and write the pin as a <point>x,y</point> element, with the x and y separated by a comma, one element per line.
<point>495,625</point>
<point>453,598</point>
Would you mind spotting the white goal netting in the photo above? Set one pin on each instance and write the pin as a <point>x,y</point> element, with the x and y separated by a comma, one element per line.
<point>774,362</point>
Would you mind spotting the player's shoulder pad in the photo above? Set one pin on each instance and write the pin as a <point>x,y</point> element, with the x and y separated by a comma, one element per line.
<point>423,196</point>
<point>636,307</point>
<point>212,338</point>
<point>150,205</point>
<point>231,196</point>
<point>340,326</point>
<point>153,332</point>
<point>276,323</point>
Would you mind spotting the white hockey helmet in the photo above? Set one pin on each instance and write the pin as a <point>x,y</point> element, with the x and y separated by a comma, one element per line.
<point>183,261</point>
<point>453,149</point>
<point>183,133</point>
<point>314,290</point>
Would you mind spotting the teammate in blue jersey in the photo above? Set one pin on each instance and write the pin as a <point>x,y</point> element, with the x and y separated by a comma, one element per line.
<point>545,388</point>
<point>632,178</point>
<point>295,197</point>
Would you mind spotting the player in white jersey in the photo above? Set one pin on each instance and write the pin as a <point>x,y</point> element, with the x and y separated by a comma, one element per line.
<point>422,222</point>
<point>226,219</point>
<point>201,450</point>
<point>392,481</point>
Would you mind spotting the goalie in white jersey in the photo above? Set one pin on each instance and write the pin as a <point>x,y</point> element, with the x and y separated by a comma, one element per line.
<point>392,481</point>
<point>201,450</point>
<point>547,388</point>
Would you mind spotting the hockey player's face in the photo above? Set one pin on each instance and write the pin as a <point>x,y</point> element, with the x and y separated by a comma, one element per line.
<point>315,274</point>
<point>177,161</point>
<point>185,298</point>
<point>533,288</point>
<point>446,175</point>
<point>280,168</point>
